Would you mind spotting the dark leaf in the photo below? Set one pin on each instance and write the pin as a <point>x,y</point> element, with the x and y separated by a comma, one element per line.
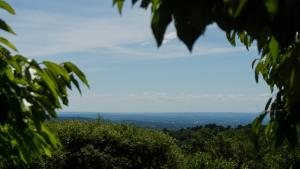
<point>268,103</point>
<point>145,3</point>
<point>75,82</point>
<point>6,27</point>
<point>134,2</point>
<point>231,38</point>
<point>160,20</point>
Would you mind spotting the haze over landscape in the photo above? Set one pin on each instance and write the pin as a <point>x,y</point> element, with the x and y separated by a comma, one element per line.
<point>126,71</point>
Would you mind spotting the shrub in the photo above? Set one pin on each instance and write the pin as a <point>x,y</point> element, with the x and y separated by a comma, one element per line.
<point>93,144</point>
<point>205,161</point>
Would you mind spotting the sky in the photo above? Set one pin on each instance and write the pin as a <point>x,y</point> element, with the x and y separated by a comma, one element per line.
<point>126,70</point>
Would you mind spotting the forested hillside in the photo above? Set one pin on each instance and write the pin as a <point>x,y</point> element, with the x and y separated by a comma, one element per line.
<point>213,146</point>
<point>100,144</point>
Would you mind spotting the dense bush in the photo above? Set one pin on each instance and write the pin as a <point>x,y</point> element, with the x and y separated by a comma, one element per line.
<point>108,146</point>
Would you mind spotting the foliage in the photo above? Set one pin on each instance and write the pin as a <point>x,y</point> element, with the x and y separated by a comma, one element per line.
<point>273,24</point>
<point>30,93</point>
<point>218,147</point>
<point>204,160</point>
<point>96,144</point>
<point>99,144</point>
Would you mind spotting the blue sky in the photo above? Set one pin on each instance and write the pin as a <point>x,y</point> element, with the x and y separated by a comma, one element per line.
<point>126,71</point>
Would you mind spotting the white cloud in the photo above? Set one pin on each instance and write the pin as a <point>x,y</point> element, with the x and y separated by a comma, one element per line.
<point>169,51</point>
<point>169,36</point>
<point>45,34</point>
<point>41,33</point>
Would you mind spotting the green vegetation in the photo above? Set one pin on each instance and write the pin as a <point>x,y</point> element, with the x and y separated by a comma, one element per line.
<point>99,144</point>
<point>216,147</point>
<point>95,145</point>
<point>274,25</point>
<point>30,93</point>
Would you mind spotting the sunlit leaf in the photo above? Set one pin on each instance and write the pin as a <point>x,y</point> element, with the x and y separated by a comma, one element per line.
<point>57,69</point>
<point>4,5</point>
<point>8,44</point>
<point>49,82</point>
<point>274,47</point>
<point>9,74</point>
<point>73,68</point>
<point>120,4</point>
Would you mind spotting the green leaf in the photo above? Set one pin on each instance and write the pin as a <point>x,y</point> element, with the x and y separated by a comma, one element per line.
<point>22,156</point>
<point>48,151</point>
<point>231,38</point>
<point>245,39</point>
<point>120,4</point>
<point>274,47</point>
<point>75,82</point>
<point>49,82</point>
<point>7,7</point>
<point>6,27</point>
<point>73,68</point>
<point>8,44</point>
<point>272,6</point>
<point>56,69</point>
<point>50,137</point>
<point>9,74</point>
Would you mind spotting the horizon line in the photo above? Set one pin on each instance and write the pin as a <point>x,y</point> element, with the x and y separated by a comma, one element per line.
<point>144,112</point>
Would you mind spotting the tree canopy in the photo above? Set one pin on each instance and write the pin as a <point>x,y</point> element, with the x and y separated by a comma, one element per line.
<point>273,25</point>
<point>30,93</point>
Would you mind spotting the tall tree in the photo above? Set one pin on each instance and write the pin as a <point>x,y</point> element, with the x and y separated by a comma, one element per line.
<point>273,24</point>
<point>30,93</point>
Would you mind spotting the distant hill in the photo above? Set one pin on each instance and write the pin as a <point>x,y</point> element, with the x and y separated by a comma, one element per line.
<point>171,121</point>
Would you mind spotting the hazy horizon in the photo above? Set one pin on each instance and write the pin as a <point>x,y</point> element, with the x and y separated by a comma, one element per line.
<point>151,112</point>
<point>170,120</point>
